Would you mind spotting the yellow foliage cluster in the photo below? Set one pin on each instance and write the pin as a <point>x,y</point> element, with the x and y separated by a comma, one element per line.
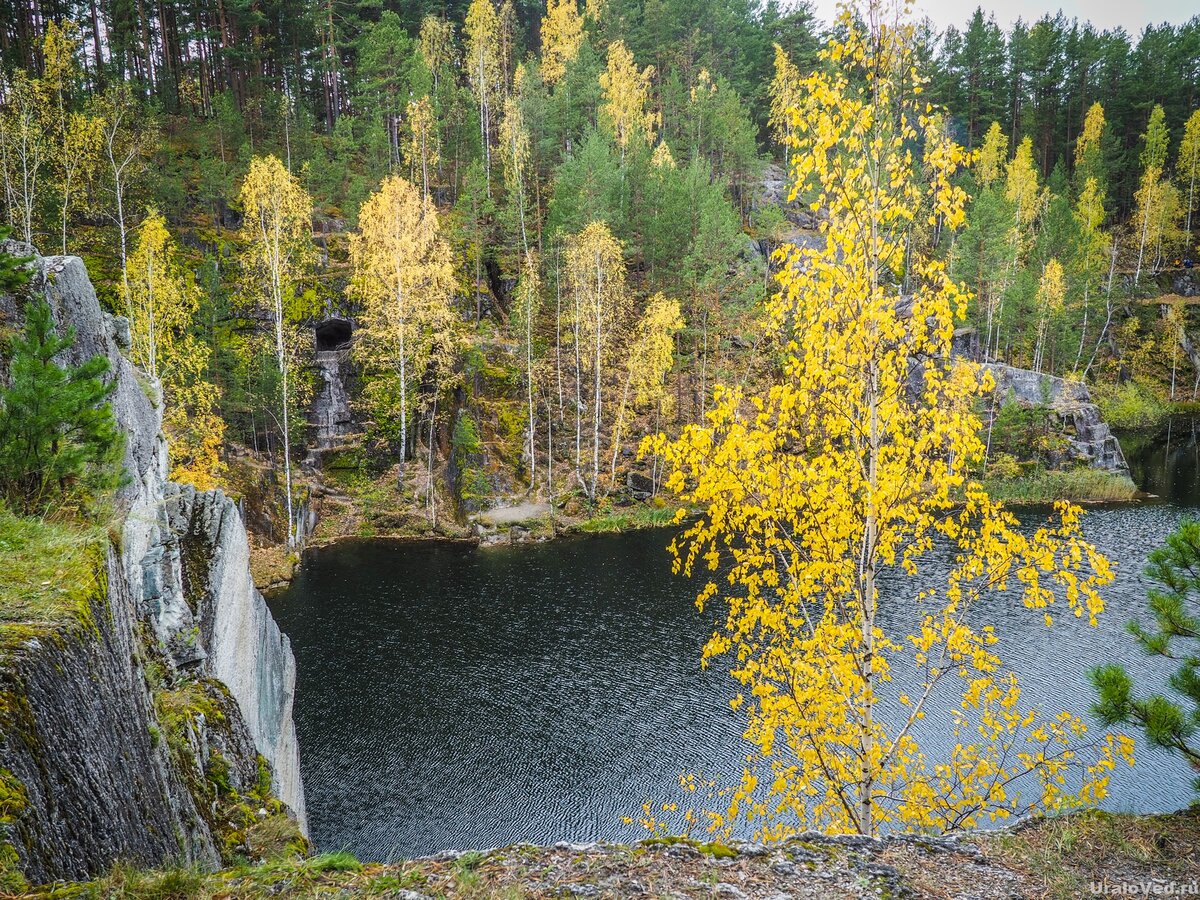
<point>626,93</point>
<point>404,277</point>
<point>855,462</point>
<point>562,34</point>
<point>277,231</point>
<point>785,96</point>
<point>162,300</point>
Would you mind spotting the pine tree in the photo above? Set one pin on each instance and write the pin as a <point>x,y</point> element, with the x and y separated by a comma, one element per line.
<point>60,447</point>
<point>1176,636</point>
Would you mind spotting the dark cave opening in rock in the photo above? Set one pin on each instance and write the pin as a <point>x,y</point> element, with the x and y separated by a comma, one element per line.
<point>333,334</point>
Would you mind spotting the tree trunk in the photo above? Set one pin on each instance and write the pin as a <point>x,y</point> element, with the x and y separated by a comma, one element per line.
<point>281,360</point>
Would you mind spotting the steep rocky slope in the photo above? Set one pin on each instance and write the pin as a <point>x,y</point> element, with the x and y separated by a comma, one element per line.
<point>143,721</point>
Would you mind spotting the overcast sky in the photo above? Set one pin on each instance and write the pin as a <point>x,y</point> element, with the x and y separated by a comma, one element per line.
<point>1132,15</point>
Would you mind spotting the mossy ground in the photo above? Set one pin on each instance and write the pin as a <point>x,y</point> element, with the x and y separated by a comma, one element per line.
<point>1052,858</point>
<point>49,573</point>
<point>247,820</point>
<point>1064,856</point>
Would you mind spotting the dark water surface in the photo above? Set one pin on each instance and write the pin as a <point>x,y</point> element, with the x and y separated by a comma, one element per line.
<point>458,698</point>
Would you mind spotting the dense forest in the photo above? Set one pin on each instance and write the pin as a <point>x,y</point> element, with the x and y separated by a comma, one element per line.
<point>825,297</point>
<point>553,227</point>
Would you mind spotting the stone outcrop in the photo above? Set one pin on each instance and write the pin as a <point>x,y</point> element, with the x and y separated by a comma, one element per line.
<point>81,725</point>
<point>330,416</point>
<point>1089,438</point>
<point>96,785</point>
<point>231,630</point>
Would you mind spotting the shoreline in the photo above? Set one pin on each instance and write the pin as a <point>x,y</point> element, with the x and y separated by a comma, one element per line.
<point>277,567</point>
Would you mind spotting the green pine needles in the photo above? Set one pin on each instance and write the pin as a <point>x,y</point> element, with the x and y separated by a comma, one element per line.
<point>1170,721</point>
<point>60,447</point>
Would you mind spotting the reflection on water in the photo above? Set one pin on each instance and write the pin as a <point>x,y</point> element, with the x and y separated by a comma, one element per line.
<point>454,698</point>
<point>1166,461</point>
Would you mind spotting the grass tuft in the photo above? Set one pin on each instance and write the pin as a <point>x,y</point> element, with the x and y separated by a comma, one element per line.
<point>47,569</point>
<point>629,520</point>
<point>1077,485</point>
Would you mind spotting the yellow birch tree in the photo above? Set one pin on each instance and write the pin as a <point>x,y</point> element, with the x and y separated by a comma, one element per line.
<point>423,140</point>
<point>79,161</point>
<point>163,301</point>
<point>992,155</point>
<point>404,277</point>
<point>163,295</point>
<point>277,233</point>
<point>562,35</point>
<point>1088,149</point>
<point>191,418</point>
<point>854,463</point>
<point>1089,213</point>
<point>785,95</point>
<point>26,141</point>
<point>662,157</point>
<point>651,355</point>
<point>528,301</point>
<point>77,134</point>
<point>1052,288</point>
<point>1022,192</point>
<point>626,93</point>
<point>596,280</point>
<point>436,42</point>
<point>1151,191</point>
<point>1187,168</point>
<point>482,63</point>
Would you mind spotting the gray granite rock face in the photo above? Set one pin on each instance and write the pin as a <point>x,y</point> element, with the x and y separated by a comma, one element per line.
<point>239,642</point>
<point>100,789</point>
<point>330,416</point>
<point>99,786</point>
<point>1090,439</point>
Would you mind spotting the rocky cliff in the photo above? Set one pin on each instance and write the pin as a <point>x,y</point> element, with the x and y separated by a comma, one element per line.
<point>143,725</point>
<point>1089,439</point>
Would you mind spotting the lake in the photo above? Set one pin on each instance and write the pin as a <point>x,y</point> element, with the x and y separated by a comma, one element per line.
<point>450,697</point>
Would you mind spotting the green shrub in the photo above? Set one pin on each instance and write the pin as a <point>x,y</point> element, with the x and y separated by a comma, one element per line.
<point>1129,405</point>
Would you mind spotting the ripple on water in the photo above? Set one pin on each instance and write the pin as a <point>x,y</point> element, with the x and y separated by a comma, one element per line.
<point>452,698</point>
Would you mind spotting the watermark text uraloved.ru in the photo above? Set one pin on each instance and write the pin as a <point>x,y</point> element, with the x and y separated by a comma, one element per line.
<point>1155,888</point>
